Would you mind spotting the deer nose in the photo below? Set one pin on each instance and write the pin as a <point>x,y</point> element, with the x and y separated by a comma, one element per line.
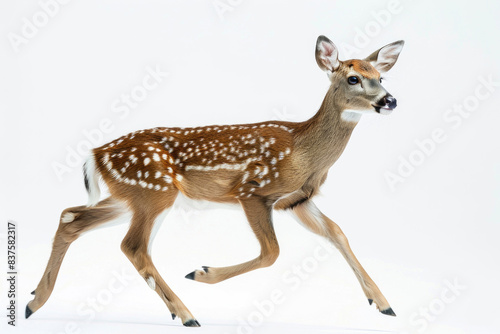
<point>390,102</point>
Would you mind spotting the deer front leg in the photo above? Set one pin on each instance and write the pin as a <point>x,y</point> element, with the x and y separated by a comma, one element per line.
<point>317,222</point>
<point>259,215</point>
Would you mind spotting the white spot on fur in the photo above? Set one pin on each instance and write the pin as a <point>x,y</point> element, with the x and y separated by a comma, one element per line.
<point>151,282</point>
<point>93,179</point>
<point>133,158</point>
<point>68,217</point>
<point>351,116</point>
<point>245,177</point>
<point>217,167</point>
<point>147,161</point>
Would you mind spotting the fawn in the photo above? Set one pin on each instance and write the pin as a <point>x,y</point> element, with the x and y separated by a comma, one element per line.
<point>263,166</point>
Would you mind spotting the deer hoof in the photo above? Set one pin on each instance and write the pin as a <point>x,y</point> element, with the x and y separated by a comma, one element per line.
<point>192,323</point>
<point>389,311</point>
<point>28,312</point>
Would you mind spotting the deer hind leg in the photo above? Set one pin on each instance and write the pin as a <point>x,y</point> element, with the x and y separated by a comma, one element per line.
<point>73,222</point>
<point>136,245</point>
<point>309,215</point>
<point>259,215</point>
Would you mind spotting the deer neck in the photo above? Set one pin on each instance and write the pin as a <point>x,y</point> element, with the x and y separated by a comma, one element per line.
<point>323,137</point>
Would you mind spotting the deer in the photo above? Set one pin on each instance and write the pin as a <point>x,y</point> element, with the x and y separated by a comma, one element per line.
<point>272,165</point>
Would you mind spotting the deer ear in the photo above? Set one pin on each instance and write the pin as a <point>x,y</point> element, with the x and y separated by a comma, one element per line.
<point>384,58</point>
<point>326,54</point>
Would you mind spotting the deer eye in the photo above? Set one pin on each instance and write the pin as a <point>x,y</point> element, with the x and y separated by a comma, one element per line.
<point>352,80</point>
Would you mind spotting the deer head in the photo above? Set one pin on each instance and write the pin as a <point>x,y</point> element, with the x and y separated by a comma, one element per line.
<point>357,82</point>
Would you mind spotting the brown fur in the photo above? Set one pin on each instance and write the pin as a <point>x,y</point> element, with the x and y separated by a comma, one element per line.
<point>363,67</point>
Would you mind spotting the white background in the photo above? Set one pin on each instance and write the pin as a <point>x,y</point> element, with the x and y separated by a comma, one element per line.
<point>251,63</point>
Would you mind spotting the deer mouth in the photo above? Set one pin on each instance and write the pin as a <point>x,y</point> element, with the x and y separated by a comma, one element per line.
<point>386,105</point>
<point>383,110</point>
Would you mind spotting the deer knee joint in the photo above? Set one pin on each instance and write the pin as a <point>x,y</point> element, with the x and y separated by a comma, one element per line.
<point>137,255</point>
<point>337,233</point>
<point>267,259</point>
<point>127,249</point>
